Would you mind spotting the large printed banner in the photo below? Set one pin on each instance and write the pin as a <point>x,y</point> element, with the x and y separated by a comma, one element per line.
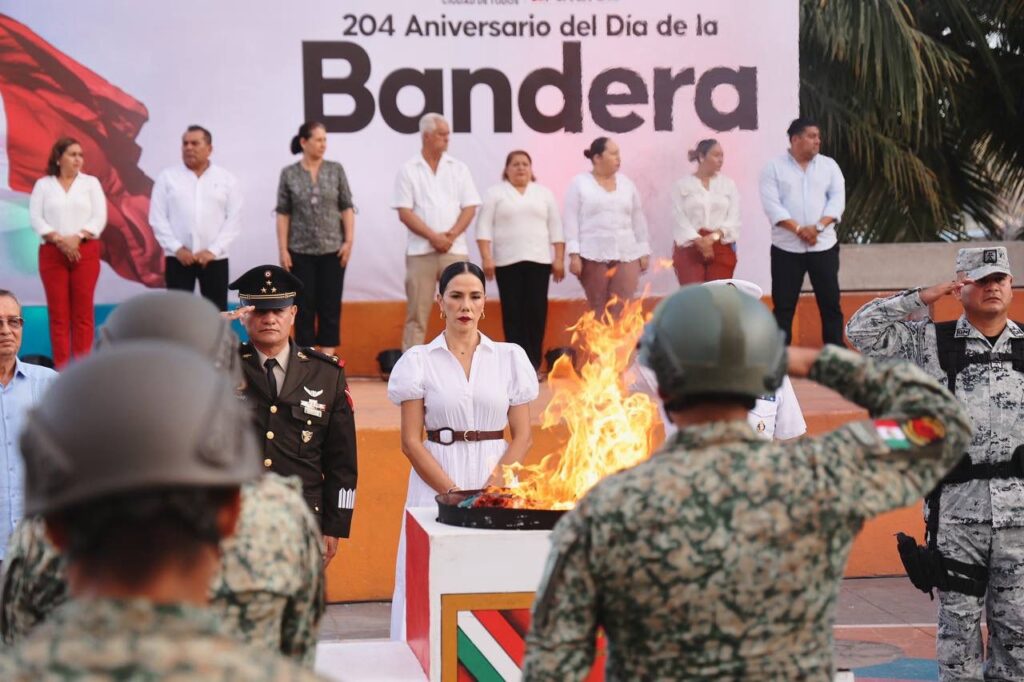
<point>548,76</point>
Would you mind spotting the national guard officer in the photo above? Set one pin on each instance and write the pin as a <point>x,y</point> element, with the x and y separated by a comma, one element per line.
<point>975,517</point>
<point>269,590</point>
<point>301,401</point>
<point>141,539</point>
<point>720,557</point>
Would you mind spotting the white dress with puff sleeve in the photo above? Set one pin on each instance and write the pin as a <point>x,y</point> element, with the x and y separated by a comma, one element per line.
<point>500,377</point>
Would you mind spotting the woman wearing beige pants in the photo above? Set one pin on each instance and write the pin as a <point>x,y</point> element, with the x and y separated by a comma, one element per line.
<point>605,229</point>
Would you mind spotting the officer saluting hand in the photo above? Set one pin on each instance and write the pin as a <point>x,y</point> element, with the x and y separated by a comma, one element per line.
<point>301,400</point>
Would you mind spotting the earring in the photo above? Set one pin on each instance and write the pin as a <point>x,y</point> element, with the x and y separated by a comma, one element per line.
<point>483,314</point>
<point>441,314</point>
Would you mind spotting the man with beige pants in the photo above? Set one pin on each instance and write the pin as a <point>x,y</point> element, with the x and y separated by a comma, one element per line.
<point>436,199</point>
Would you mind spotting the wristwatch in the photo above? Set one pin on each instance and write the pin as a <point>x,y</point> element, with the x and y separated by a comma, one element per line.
<point>820,227</point>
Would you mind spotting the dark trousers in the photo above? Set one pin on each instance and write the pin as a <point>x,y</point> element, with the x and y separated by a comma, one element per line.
<point>523,288</point>
<point>318,322</point>
<point>213,279</point>
<point>788,276</point>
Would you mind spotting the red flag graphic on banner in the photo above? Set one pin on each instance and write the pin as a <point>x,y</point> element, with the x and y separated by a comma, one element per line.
<point>47,95</point>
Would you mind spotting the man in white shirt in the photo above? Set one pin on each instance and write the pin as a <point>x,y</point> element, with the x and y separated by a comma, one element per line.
<point>436,200</point>
<point>803,194</point>
<point>195,212</point>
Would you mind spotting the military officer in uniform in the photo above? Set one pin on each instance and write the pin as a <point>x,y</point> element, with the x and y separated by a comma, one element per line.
<point>142,541</point>
<point>301,402</point>
<point>976,515</point>
<point>720,557</point>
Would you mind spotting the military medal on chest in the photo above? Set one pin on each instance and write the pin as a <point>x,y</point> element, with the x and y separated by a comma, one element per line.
<point>312,407</point>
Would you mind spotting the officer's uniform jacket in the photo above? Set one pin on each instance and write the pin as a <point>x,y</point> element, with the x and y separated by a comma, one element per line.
<point>992,393</point>
<point>309,431</point>
<point>720,557</point>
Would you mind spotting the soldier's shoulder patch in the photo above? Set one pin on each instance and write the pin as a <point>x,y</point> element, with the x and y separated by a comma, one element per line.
<point>324,357</point>
<point>909,433</point>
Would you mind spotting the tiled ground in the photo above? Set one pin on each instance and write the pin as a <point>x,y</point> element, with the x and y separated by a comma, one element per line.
<point>885,629</point>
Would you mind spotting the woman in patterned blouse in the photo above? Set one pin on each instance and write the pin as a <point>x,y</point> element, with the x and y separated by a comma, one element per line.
<point>315,229</point>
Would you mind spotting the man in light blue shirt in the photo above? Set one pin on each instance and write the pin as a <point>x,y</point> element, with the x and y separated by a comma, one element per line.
<point>803,194</point>
<point>21,386</point>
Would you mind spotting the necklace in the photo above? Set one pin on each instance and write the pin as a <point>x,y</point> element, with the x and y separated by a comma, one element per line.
<point>461,352</point>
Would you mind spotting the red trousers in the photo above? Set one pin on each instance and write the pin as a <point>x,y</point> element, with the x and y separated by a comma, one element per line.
<point>691,269</point>
<point>69,291</point>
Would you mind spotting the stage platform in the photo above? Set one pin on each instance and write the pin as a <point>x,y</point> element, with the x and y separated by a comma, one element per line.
<point>364,568</point>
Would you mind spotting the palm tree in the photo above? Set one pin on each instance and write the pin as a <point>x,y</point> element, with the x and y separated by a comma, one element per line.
<point>920,102</point>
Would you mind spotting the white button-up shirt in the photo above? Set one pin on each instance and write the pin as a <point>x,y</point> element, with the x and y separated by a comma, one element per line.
<point>604,226</point>
<point>198,212</point>
<point>521,227</point>
<point>20,395</point>
<point>82,207</point>
<point>437,198</point>
<point>789,192</point>
<point>716,207</point>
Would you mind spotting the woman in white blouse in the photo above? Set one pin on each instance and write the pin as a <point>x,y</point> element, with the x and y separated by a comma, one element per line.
<point>706,214</point>
<point>459,383</point>
<point>69,211</point>
<point>517,228</point>
<point>605,228</point>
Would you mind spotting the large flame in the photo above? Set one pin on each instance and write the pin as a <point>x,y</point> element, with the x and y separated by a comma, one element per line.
<point>610,429</point>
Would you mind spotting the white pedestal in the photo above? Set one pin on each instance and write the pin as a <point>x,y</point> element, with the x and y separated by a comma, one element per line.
<point>468,594</point>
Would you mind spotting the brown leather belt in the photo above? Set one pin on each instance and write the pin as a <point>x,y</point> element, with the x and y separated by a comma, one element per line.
<point>446,436</point>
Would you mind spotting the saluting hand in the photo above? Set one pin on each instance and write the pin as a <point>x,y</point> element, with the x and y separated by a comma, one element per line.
<point>238,313</point>
<point>950,288</point>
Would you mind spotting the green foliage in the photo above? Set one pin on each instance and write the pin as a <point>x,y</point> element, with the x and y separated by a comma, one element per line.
<point>920,103</point>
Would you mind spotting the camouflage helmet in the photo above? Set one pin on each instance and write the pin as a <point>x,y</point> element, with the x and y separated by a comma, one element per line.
<point>144,415</point>
<point>704,341</point>
<point>178,317</point>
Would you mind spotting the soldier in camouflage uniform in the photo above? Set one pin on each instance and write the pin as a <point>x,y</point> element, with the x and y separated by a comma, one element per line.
<point>720,558</point>
<point>980,521</point>
<point>141,541</point>
<point>269,591</point>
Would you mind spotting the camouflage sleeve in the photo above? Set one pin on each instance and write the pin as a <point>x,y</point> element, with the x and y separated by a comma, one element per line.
<point>34,583</point>
<point>305,608</point>
<point>561,642</point>
<point>918,432</point>
<point>881,328</point>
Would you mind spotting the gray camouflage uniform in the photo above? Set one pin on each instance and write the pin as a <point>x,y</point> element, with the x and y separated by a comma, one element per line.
<point>980,521</point>
<point>720,558</point>
<point>269,592</point>
<point>108,639</point>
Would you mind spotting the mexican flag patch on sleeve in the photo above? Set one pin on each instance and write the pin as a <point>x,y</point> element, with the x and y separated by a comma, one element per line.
<point>909,433</point>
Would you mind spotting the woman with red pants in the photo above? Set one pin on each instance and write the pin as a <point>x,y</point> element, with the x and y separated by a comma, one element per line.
<point>706,217</point>
<point>68,210</point>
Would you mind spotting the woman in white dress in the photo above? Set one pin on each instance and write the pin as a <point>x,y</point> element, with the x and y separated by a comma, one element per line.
<point>460,386</point>
<point>605,229</point>
<point>706,219</point>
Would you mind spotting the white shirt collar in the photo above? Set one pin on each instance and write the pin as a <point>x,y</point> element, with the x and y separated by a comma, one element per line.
<point>440,342</point>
